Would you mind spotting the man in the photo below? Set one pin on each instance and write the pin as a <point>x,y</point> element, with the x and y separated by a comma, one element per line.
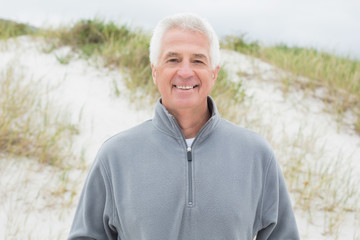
<point>186,174</point>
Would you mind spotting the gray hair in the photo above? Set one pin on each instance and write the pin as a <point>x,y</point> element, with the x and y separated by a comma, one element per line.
<point>184,21</point>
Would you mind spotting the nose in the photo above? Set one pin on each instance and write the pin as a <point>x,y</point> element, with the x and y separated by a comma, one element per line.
<point>185,70</point>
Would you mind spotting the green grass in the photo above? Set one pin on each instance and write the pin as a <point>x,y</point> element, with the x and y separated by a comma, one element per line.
<point>10,29</point>
<point>121,47</point>
<point>240,44</point>
<point>28,125</point>
<point>118,46</point>
<point>228,94</point>
<point>339,76</point>
<point>325,185</point>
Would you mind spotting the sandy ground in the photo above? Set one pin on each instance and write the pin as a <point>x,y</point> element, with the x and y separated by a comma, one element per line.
<point>30,206</point>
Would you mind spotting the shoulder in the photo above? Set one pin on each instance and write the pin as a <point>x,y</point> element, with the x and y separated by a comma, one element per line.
<point>127,140</point>
<point>132,133</point>
<point>243,138</point>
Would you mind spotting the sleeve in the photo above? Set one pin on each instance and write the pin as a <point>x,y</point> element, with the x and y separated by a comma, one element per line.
<point>278,220</point>
<point>94,214</point>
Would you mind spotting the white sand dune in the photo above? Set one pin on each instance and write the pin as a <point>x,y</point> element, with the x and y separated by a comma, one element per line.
<point>29,208</point>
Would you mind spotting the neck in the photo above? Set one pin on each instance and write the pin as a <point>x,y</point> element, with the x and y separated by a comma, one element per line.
<point>191,120</point>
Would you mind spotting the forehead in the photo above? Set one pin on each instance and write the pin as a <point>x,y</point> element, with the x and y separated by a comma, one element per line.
<point>184,41</point>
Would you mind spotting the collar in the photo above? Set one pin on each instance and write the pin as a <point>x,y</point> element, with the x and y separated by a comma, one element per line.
<point>165,122</point>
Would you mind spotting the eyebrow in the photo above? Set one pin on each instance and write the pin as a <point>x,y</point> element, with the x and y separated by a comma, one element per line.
<point>199,55</point>
<point>172,54</point>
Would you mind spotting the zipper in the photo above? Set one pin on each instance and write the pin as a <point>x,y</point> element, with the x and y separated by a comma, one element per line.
<point>190,200</point>
<point>190,193</point>
<point>190,163</point>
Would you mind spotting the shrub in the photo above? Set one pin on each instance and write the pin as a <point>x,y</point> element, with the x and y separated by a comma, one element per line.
<point>29,127</point>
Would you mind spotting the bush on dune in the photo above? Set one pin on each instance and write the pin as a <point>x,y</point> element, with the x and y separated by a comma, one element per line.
<point>339,76</point>
<point>10,29</point>
<point>28,125</point>
<point>128,49</point>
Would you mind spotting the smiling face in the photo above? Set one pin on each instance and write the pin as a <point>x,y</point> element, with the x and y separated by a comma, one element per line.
<point>184,75</point>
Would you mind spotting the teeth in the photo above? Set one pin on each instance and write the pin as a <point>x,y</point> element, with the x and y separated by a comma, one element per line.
<point>185,87</point>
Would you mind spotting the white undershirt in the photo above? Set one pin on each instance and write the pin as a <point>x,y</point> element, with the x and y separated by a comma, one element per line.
<point>189,141</point>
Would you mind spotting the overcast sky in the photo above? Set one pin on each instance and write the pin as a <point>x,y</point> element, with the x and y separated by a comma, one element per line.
<point>332,25</point>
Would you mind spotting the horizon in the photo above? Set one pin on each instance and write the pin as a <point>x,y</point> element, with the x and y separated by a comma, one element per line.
<point>330,26</point>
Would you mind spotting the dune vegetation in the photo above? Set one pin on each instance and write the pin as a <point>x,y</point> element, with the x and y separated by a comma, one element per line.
<point>311,70</point>
<point>128,49</point>
<point>28,126</point>
<point>12,29</point>
<point>314,187</point>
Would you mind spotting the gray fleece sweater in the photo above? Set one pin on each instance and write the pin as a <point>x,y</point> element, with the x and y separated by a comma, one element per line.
<point>146,183</point>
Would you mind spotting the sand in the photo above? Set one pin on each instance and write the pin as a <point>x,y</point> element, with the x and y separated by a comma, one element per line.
<point>31,208</point>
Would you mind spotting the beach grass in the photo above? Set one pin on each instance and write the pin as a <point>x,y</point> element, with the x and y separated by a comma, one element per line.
<point>29,127</point>
<point>310,69</point>
<point>120,46</point>
<point>328,186</point>
<point>10,29</point>
<point>315,187</point>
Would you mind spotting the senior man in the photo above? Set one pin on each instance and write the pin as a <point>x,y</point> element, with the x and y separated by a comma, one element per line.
<point>186,174</point>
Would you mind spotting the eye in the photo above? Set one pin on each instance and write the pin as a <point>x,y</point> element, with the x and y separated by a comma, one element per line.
<point>173,60</point>
<point>199,62</point>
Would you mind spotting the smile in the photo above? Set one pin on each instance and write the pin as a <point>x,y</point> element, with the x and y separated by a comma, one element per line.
<point>185,87</point>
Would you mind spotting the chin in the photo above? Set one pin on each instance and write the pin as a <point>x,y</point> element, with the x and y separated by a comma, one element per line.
<point>186,103</point>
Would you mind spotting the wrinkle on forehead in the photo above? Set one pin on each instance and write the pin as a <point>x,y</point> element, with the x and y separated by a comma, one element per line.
<point>177,42</point>
<point>194,55</point>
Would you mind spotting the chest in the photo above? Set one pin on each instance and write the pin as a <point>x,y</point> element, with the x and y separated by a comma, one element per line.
<point>166,192</point>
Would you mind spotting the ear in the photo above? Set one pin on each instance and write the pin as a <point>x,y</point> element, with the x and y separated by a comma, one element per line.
<point>153,69</point>
<point>215,73</point>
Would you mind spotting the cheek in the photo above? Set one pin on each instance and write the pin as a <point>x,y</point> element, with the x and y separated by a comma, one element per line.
<point>208,80</point>
<point>163,83</point>
<point>165,77</point>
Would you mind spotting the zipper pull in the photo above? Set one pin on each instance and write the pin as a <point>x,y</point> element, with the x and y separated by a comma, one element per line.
<point>189,156</point>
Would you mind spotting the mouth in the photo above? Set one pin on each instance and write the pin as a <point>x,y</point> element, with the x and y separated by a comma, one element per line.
<point>185,87</point>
